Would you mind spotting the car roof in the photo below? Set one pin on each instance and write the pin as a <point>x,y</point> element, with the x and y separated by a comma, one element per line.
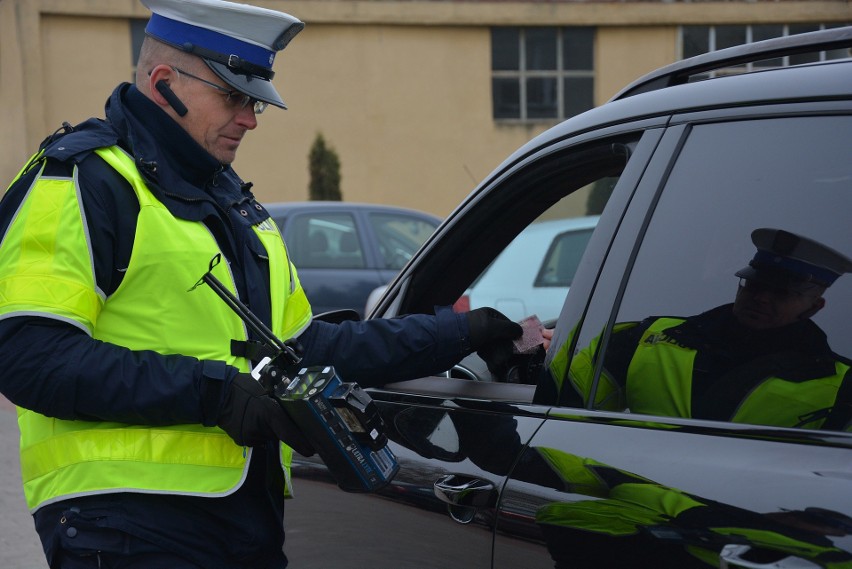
<point>556,226</point>
<point>525,253</point>
<point>278,209</point>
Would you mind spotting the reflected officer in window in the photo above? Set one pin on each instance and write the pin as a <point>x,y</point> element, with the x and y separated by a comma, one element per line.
<point>759,360</point>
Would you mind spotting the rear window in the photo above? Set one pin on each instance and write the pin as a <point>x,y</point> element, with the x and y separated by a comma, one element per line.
<point>562,259</point>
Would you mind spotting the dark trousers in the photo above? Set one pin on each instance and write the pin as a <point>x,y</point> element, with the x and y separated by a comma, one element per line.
<point>128,531</point>
<point>68,560</point>
<point>72,540</point>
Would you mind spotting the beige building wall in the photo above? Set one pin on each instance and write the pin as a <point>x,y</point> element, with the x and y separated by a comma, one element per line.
<point>400,89</point>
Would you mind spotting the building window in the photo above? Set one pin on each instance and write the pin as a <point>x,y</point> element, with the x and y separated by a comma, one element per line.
<point>137,34</point>
<point>544,73</point>
<point>696,40</point>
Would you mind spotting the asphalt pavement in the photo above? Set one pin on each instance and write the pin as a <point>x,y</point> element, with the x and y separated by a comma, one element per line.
<point>20,547</point>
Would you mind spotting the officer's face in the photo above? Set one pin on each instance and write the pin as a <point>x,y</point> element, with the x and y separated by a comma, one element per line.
<point>761,306</point>
<point>215,121</point>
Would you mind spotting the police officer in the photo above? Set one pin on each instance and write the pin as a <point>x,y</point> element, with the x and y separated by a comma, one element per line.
<point>760,360</point>
<point>144,441</point>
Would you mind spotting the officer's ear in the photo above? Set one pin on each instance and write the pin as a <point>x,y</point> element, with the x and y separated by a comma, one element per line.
<point>815,307</point>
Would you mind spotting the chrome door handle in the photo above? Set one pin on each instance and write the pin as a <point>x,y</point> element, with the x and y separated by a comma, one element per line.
<point>467,491</point>
<point>731,558</point>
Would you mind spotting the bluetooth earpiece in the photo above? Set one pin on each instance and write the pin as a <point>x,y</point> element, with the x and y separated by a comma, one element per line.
<point>170,96</point>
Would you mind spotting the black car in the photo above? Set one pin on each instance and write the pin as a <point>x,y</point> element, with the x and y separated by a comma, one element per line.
<point>345,250</point>
<point>498,471</point>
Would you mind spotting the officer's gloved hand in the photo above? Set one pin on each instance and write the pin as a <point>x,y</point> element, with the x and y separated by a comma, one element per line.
<point>251,417</point>
<point>491,335</point>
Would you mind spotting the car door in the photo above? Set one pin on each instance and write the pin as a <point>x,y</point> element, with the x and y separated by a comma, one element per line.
<point>456,438</point>
<point>602,486</point>
<point>439,510</point>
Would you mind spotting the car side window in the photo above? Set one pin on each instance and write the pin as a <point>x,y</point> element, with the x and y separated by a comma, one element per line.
<point>399,237</point>
<point>697,333</point>
<point>325,241</point>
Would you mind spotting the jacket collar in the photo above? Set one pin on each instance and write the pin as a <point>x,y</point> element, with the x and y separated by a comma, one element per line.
<point>155,137</point>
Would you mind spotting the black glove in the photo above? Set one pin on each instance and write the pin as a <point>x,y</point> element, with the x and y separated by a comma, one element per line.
<point>252,417</point>
<point>491,335</point>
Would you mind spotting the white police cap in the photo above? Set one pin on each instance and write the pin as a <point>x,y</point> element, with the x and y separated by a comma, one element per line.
<point>785,257</point>
<point>237,41</point>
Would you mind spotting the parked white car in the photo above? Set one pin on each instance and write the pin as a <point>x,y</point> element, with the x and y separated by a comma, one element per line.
<point>533,274</point>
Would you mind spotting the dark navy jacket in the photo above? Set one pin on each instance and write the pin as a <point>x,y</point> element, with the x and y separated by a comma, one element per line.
<point>58,370</point>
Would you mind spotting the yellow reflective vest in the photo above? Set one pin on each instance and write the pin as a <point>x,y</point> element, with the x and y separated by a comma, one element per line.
<point>47,270</point>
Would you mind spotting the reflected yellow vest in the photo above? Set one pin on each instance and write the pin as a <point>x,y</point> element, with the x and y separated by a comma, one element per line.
<point>659,382</point>
<point>152,309</point>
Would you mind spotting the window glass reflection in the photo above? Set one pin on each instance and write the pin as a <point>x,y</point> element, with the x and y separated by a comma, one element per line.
<point>694,340</point>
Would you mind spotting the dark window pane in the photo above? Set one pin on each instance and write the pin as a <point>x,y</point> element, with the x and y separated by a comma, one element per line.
<point>505,52</point>
<point>696,40</point>
<point>507,98</point>
<point>838,53</point>
<point>765,32</point>
<point>728,36</point>
<point>542,70</point>
<point>804,58</point>
<point>802,29</point>
<point>541,48</point>
<point>541,98</point>
<point>578,48</point>
<point>579,95</point>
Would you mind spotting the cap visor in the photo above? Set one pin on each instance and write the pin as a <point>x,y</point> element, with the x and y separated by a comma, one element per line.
<point>778,279</point>
<point>254,87</point>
